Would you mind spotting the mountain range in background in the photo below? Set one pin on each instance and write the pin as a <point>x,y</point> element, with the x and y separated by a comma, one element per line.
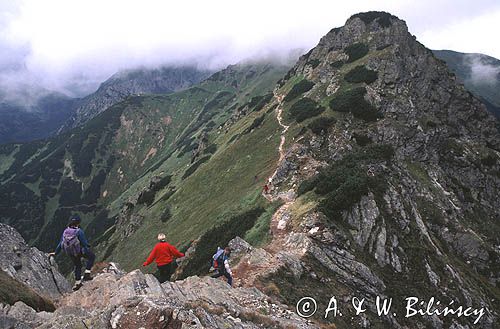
<point>35,114</point>
<point>479,73</point>
<point>41,113</point>
<point>382,176</point>
<point>164,80</point>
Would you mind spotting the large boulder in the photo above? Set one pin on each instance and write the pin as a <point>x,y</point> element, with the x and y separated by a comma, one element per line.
<point>30,266</point>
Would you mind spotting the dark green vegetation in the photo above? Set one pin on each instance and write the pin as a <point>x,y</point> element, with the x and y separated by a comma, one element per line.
<point>381,17</point>
<point>258,102</point>
<point>166,214</point>
<point>337,64</point>
<point>361,74</point>
<point>356,51</point>
<point>255,124</point>
<point>321,125</point>
<point>305,108</point>
<point>12,291</point>
<point>353,100</point>
<point>219,236</point>
<point>343,183</point>
<point>195,166</point>
<point>298,89</point>
<point>22,123</point>
<point>361,139</point>
<point>314,63</point>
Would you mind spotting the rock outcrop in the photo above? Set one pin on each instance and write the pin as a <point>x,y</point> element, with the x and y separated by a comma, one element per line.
<point>29,265</point>
<point>116,299</point>
<point>137,300</point>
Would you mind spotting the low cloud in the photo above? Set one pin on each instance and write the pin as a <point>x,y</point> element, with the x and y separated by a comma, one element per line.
<point>72,46</point>
<point>482,71</point>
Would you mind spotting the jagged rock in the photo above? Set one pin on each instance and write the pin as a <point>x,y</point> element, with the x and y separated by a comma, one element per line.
<point>258,257</point>
<point>137,300</point>
<point>471,248</point>
<point>291,263</point>
<point>30,266</point>
<point>239,247</point>
<point>341,262</point>
<point>363,217</point>
<point>21,315</point>
<point>433,277</point>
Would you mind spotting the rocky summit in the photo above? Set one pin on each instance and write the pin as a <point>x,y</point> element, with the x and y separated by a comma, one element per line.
<point>395,165</point>
<point>367,172</point>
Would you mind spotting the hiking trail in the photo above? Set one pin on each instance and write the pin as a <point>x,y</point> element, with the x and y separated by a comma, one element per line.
<point>281,152</point>
<point>247,275</point>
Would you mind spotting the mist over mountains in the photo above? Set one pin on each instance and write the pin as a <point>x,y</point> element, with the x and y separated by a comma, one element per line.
<point>479,73</point>
<point>364,169</point>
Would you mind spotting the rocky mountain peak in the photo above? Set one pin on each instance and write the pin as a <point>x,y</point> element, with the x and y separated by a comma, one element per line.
<point>397,153</point>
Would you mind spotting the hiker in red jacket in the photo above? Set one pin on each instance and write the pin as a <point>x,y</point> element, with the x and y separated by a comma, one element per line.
<point>164,254</point>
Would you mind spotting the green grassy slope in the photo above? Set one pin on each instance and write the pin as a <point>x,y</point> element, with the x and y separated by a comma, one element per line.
<point>107,169</point>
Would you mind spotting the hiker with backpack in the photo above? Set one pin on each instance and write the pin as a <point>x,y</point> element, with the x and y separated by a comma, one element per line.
<point>220,262</point>
<point>164,254</point>
<point>74,243</point>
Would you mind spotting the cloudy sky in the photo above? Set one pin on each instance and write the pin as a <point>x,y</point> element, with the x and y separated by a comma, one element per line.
<point>72,45</point>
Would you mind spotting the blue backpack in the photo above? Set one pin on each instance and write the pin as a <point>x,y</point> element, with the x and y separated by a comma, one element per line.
<point>70,242</point>
<point>218,260</point>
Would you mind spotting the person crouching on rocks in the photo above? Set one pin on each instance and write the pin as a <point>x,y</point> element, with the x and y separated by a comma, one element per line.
<point>223,268</point>
<point>75,245</point>
<point>164,254</point>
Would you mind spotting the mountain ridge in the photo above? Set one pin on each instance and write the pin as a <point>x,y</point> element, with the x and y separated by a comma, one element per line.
<point>122,84</point>
<point>384,177</point>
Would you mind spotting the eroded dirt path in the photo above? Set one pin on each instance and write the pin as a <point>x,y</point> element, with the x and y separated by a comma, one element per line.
<point>266,260</point>
<point>281,151</point>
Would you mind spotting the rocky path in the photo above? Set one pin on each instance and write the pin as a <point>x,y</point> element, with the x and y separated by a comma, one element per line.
<point>262,261</point>
<point>281,217</point>
<point>279,115</point>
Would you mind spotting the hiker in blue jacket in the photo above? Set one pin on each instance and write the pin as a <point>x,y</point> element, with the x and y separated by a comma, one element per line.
<point>76,246</point>
<point>221,264</point>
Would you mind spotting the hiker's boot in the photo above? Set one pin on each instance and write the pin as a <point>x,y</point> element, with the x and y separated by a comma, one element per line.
<point>87,276</point>
<point>78,285</point>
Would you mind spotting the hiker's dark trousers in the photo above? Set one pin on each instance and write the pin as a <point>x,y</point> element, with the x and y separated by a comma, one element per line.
<point>165,272</point>
<point>77,261</point>
<point>226,274</point>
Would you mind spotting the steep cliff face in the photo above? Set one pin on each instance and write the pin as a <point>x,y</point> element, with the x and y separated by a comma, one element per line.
<point>29,282</point>
<point>29,265</point>
<point>396,170</point>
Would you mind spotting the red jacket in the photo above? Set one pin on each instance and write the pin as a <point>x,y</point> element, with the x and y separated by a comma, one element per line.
<point>164,253</point>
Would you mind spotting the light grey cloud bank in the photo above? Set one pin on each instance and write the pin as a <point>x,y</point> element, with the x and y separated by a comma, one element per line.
<point>71,46</point>
<point>482,72</point>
